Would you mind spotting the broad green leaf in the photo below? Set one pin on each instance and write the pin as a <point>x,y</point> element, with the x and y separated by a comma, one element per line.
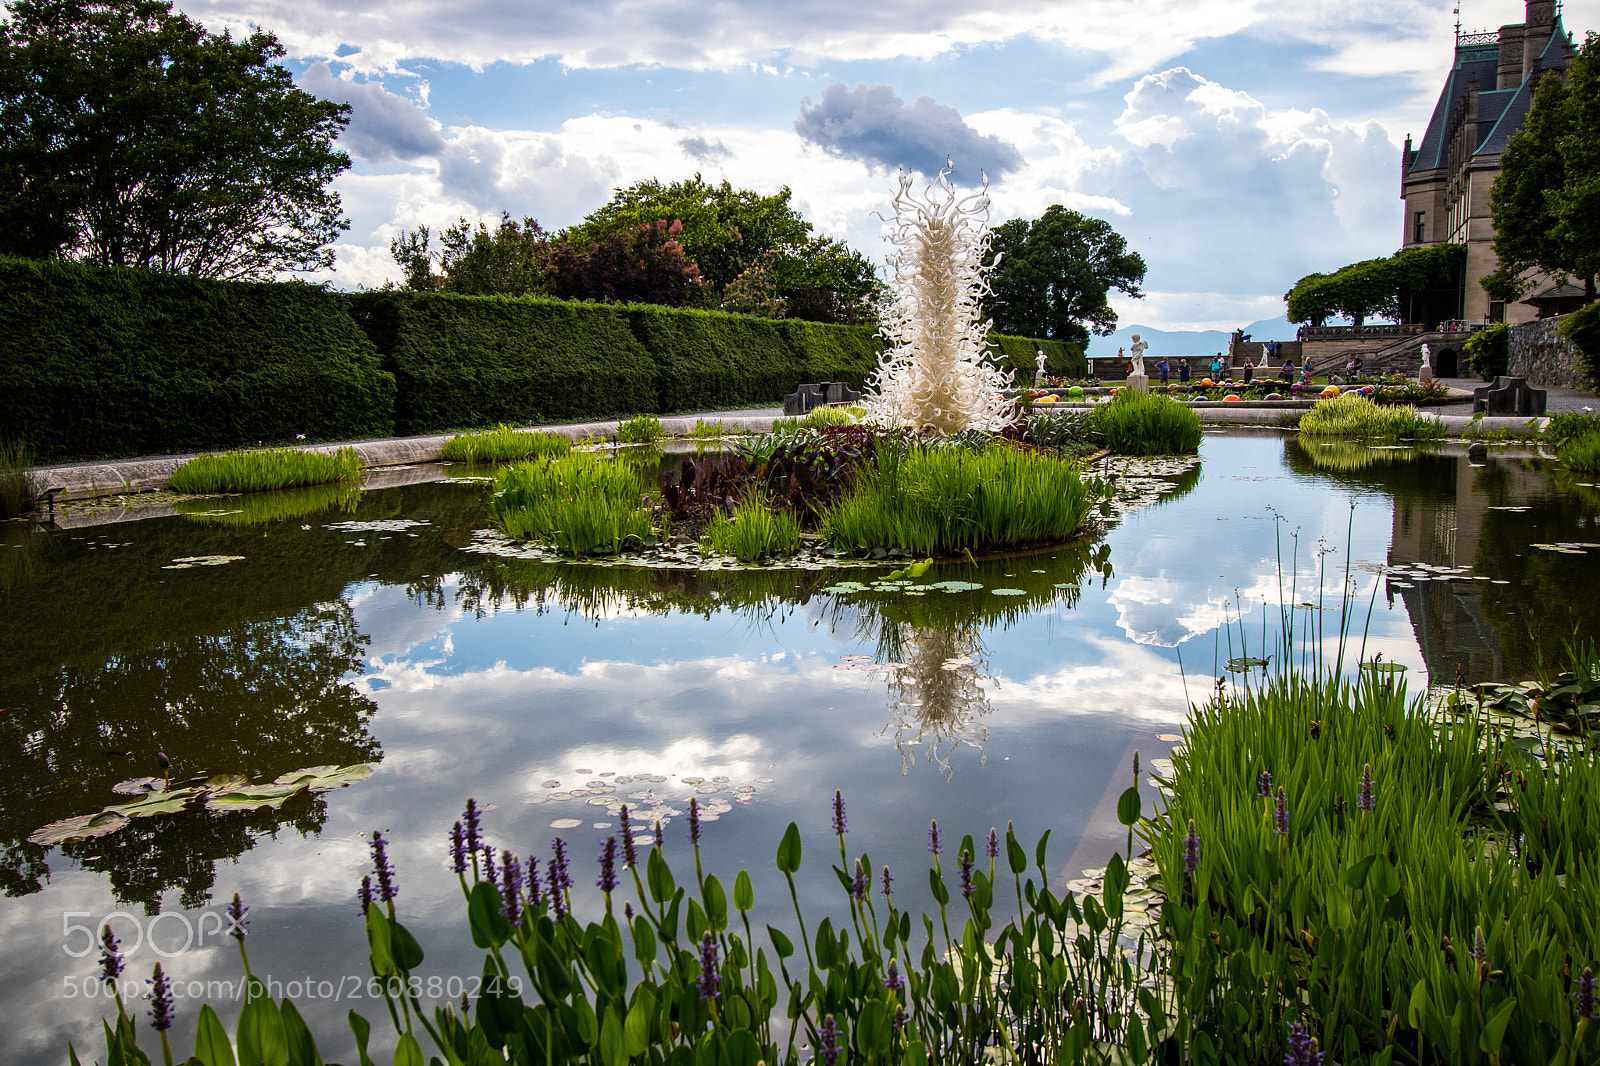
<point>211,1043</point>
<point>789,850</point>
<point>261,1039</point>
<point>744,895</point>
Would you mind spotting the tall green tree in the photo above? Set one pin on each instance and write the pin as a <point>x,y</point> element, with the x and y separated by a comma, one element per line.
<point>1050,277</point>
<point>727,231</point>
<point>1425,281</point>
<point>129,136</point>
<point>1546,201</point>
<point>513,259</point>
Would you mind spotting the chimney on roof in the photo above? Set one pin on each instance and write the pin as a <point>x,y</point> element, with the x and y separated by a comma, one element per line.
<point>1541,23</point>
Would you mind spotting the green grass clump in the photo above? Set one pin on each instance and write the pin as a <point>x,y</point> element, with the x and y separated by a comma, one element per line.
<point>755,530</point>
<point>581,503</point>
<point>503,445</point>
<point>1581,453</point>
<point>1135,423</point>
<point>19,486</point>
<point>945,501</point>
<point>640,429</point>
<point>1569,425</point>
<point>710,430</point>
<point>265,470</point>
<point>1353,416</point>
<point>831,415</point>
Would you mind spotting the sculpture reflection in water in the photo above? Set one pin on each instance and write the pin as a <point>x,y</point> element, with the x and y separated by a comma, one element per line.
<point>928,640</point>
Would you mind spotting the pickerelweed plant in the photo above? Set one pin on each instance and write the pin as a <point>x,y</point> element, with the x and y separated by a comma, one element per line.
<point>1353,416</point>
<point>934,378</point>
<point>677,975</point>
<point>1346,864</point>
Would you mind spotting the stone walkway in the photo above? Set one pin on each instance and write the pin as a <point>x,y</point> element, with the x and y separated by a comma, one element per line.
<point>1557,401</point>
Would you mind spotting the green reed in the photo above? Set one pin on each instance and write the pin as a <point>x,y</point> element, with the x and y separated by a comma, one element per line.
<point>266,469</point>
<point>755,530</point>
<point>1354,416</point>
<point>19,485</point>
<point>1134,423</point>
<point>946,501</point>
<point>580,503</point>
<point>264,507</point>
<point>640,429</point>
<point>503,445</point>
<point>1581,453</point>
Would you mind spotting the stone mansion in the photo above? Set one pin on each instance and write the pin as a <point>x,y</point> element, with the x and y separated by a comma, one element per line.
<point>1445,179</point>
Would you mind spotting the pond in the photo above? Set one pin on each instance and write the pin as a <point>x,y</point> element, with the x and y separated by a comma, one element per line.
<point>367,629</point>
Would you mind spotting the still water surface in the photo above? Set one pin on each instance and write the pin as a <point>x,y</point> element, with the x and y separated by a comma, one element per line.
<point>259,645</point>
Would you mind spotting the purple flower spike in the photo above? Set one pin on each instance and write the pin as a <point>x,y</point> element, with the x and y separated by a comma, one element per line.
<point>630,854</point>
<point>709,978</point>
<point>160,1001</point>
<point>694,821</point>
<point>661,836</point>
<point>470,817</point>
<point>861,887</point>
<point>1280,817</point>
<point>1191,850</point>
<point>532,878</point>
<point>364,893</point>
<point>1584,995</point>
<point>994,843</point>
<point>933,838</point>
<point>893,981</point>
<point>1301,1047</point>
<point>458,849</point>
<point>236,918</point>
<point>830,1041</point>
<point>900,1019</point>
<point>110,957</point>
<point>608,866</point>
<point>380,866</point>
<point>1367,801</point>
<point>489,872</point>
<point>888,880</point>
<point>840,823</point>
<point>511,887</point>
<point>556,877</point>
<point>966,874</point>
<point>1263,784</point>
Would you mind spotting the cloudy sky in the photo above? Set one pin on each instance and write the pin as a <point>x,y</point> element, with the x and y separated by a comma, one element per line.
<point>1237,144</point>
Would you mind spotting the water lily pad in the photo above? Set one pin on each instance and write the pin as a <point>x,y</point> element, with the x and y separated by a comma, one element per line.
<point>138,786</point>
<point>325,778</point>
<point>188,561</point>
<point>1245,662</point>
<point>83,827</point>
<point>566,823</point>
<point>1009,592</point>
<point>1384,668</point>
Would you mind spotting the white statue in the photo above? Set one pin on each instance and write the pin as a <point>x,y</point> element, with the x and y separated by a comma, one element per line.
<point>1138,347</point>
<point>1265,363</point>
<point>1038,377</point>
<point>1426,365</point>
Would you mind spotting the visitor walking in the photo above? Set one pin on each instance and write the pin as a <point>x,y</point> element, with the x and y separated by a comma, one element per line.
<point>1287,373</point>
<point>1164,368</point>
<point>1183,372</point>
<point>1216,367</point>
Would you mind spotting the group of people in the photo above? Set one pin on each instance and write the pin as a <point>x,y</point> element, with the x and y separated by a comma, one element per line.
<point>1288,371</point>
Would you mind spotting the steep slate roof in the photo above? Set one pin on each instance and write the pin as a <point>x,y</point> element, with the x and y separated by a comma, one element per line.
<point>1554,57</point>
<point>1506,108</point>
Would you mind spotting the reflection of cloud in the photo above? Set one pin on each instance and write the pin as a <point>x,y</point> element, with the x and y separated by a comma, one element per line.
<point>872,124</point>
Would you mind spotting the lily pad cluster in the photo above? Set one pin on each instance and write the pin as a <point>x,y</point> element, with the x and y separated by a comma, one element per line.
<point>222,793</point>
<point>1568,703</point>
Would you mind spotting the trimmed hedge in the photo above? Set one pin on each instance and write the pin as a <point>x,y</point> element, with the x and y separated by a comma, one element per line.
<point>463,361</point>
<point>707,359</point>
<point>105,362</point>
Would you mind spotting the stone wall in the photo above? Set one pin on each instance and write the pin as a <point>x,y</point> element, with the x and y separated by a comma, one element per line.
<point>1545,357</point>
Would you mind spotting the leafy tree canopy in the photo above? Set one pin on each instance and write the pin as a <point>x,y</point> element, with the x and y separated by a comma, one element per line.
<point>727,231</point>
<point>130,136</point>
<point>1051,277</point>
<point>1375,288</point>
<point>513,259</point>
<point>1546,201</point>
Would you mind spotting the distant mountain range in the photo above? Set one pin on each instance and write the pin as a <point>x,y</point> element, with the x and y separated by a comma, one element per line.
<point>1187,343</point>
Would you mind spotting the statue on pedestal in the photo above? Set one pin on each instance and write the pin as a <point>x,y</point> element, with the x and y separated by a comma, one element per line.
<point>1138,347</point>
<point>1425,373</point>
<point>1038,376</point>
